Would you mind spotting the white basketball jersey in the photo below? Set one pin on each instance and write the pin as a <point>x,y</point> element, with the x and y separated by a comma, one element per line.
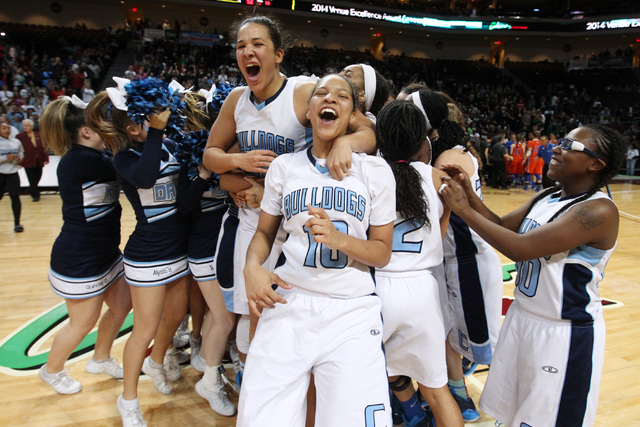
<point>271,125</point>
<point>418,248</point>
<point>460,240</point>
<point>564,285</point>
<point>365,197</point>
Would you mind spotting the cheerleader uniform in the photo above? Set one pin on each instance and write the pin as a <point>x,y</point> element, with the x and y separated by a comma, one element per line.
<point>205,207</point>
<point>156,252</point>
<point>85,258</point>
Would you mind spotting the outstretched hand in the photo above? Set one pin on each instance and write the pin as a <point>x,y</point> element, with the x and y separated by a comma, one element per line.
<point>258,284</point>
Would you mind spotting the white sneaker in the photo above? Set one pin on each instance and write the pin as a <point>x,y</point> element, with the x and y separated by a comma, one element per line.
<point>132,417</point>
<point>109,367</point>
<point>158,376</point>
<point>172,365</point>
<point>61,382</point>
<point>181,337</point>
<point>218,399</point>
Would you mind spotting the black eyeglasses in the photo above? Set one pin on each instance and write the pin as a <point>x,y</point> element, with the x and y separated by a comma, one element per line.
<point>573,145</point>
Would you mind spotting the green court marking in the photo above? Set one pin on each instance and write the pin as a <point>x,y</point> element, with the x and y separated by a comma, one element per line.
<point>14,351</point>
<point>508,272</point>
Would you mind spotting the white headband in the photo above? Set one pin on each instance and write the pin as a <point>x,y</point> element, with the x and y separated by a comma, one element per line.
<point>415,98</point>
<point>77,102</point>
<point>369,85</point>
<point>118,96</point>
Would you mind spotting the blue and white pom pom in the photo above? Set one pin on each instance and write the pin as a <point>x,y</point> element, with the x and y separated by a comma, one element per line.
<point>147,96</point>
<point>189,151</point>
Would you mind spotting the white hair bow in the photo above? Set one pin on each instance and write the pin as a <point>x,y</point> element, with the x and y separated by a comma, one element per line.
<point>77,102</point>
<point>208,94</point>
<point>178,87</point>
<point>118,96</point>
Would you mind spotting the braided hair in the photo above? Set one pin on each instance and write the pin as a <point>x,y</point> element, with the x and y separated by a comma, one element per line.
<point>382,94</point>
<point>611,147</point>
<point>401,130</point>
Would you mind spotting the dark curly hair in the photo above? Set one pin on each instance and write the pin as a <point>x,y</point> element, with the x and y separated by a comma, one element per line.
<point>401,130</point>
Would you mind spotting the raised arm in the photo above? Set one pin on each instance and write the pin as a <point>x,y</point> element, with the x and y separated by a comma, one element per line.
<point>594,223</point>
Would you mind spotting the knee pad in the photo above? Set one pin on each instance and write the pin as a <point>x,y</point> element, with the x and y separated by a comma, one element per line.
<point>242,334</point>
<point>400,384</point>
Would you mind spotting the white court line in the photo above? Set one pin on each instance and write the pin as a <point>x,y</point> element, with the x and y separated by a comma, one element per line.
<point>632,216</point>
<point>476,382</point>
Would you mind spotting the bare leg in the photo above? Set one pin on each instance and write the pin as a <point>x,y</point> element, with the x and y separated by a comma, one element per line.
<point>444,407</point>
<point>83,315</point>
<point>215,342</point>
<point>197,308</point>
<point>118,299</point>
<point>175,307</point>
<point>311,404</point>
<point>454,364</point>
<point>147,308</point>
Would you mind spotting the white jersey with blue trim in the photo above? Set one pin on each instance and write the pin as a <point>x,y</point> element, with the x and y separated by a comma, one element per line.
<point>563,285</point>
<point>271,125</point>
<point>460,240</point>
<point>418,248</point>
<point>365,197</point>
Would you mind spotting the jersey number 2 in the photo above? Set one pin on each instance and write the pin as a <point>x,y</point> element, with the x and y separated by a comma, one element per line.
<point>326,256</point>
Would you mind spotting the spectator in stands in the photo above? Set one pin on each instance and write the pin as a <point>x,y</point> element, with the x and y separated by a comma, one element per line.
<point>35,156</point>
<point>87,93</point>
<point>632,156</point>
<point>5,93</point>
<point>130,73</point>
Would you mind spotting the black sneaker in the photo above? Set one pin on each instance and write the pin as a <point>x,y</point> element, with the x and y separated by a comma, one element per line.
<point>467,408</point>
<point>18,228</point>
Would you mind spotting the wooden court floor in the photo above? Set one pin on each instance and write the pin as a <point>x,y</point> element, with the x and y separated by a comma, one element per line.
<point>27,308</point>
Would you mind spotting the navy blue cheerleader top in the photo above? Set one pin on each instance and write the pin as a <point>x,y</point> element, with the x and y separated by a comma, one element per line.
<point>148,174</point>
<point>89,190</point>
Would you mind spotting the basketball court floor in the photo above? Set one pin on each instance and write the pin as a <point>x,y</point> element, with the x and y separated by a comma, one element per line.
<point>30,315</point>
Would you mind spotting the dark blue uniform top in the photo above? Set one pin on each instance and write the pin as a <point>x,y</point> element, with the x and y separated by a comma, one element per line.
<point>148,174</point>
<point>89,241</point>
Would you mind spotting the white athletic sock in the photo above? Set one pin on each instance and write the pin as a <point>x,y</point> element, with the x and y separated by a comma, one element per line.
<point>154,364</point>
<point>129,404</point>
<point>48,375</point>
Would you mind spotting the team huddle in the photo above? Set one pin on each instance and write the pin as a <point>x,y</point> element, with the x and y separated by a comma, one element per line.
<point>342,236</point>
